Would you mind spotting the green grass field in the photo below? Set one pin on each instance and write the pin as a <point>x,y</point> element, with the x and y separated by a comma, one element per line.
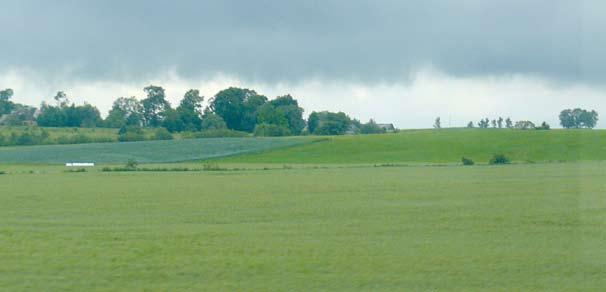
<point>445,146</point>
<point>416,146</point>
<point>519,227</point>
<point>343,214</point>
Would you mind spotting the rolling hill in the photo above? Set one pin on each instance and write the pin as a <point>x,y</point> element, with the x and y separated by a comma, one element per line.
<point>411,146</point>
<point>442,146</point>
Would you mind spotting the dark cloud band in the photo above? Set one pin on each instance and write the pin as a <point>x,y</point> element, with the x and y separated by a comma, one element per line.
<point>269,41</point>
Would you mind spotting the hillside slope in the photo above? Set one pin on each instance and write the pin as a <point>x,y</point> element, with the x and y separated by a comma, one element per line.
<point>443,146</point>
<point>144,152</point>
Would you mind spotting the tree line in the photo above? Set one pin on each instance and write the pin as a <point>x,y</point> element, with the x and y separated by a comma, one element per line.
<point>229,112</point>
<point>569,119</point>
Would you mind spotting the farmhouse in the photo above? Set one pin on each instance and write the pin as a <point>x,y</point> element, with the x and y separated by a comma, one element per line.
<point>387,127</point>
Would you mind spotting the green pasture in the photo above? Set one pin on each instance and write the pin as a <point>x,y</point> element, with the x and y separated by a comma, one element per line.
<point>504,228</point>
<point>392,212</point>
<point>444,146</point>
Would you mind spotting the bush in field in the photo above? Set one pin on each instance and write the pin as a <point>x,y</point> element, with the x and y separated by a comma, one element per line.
<point>132,164</point>
<point>271,130</point>
<point>211,166</point>
<point>162,134</point>
<point>131,133</point>
<point>467,161</point>
<point>543,126</point>
<point>30,136</point>
<point>524,125</point>
<point>499,159</point>
<point>212,121</point>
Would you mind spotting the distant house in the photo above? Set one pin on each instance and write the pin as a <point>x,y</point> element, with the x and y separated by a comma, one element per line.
<point>387,127</point>
<point>352,130</point>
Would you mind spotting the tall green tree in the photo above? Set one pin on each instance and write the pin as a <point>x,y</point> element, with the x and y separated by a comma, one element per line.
<point>6,106</point>
<point>578,118</point>
<point>283,111</point>
<point>437,124</point>
<point>61,99</point>
<point>313,122</point>
<point>172,121</point>
<point>211,121</point>
<point>588,119</point>
<point>508,123</point>
<point>293,113</point>
<point>237,107</point>
<point>190,111</point>
<point>65,114</point>
<point>125,111</point>
<point>329,123</point>
<point>6,95</point>
<point>155,106</point>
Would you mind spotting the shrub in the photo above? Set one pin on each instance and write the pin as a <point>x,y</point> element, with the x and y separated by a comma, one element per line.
<point>131,133</point>
<point>499,159</point>
<point>467,161</point>
<point>271,130</point>
<point>211,166</point>
<point>132,164</point>
<point>162,134</point>
<point>543,126</point>
<point>76,170</point>
<point>212,121</point>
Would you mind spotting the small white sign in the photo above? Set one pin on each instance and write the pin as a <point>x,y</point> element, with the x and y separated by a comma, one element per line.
<point>79,164</point>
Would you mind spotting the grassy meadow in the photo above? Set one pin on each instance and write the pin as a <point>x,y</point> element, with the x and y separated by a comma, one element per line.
<point>444,146</point>
<point>375,213</point>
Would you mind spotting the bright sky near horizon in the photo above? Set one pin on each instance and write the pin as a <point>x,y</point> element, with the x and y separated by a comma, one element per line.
<point>405,62</point>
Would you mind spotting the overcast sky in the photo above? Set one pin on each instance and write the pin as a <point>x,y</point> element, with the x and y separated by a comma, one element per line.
<point>404,62</point>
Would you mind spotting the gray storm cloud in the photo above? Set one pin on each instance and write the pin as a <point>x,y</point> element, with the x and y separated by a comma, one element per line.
<point>290,41</point>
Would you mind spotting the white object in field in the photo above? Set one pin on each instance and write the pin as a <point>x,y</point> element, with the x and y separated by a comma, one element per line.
<point>78,164</point>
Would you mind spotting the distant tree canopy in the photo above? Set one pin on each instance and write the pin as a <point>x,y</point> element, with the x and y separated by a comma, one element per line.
<point>231,112</point>
<point>328,123</point>
<point>237,107</point>
<point>155,106</point>
<point>524,125</point>
<point>437,124</point>
<point>19,115</point>
<point>508,123</point>
<point>66,115</point>
<point>211,121</point>
<point>6,106</point>
<point>371,128</point>
<point>189,111</point>
<point>578,118</point>
<point>126,111</point>
<point>283,111</point>
<point>483,124</point>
